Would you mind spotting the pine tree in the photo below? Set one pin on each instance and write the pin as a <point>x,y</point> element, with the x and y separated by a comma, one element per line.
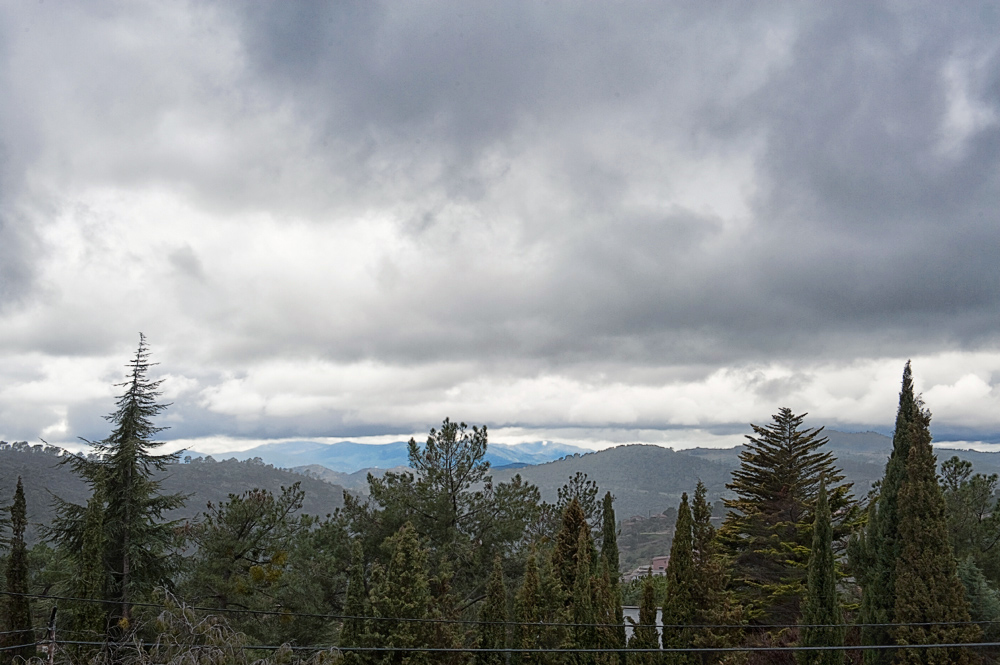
<point>874,552</point>
<point>493,618</point>
<point>927,585</point>
<point>18,610</point>
<point>354,630</point>
<point>610,555</point>
<point>138,542</point>
<point>644,634</point>
<point>821,616</point>
<point>401,590</point>
<point>527,611</point>
<point>768,528</point>
<point>678,606</point>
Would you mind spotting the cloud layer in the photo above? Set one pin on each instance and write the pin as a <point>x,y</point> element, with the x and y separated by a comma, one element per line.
<point>358,218</point>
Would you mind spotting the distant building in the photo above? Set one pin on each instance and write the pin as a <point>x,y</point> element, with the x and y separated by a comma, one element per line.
<point>657,567</point>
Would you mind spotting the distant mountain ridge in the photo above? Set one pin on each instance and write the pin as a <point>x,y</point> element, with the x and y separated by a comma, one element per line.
<point>349,457</point>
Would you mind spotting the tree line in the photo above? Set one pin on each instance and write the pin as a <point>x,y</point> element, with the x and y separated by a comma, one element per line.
<point>441,564</point>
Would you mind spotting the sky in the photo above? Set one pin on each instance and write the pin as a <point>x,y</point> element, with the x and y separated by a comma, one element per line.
<point>595,223</point>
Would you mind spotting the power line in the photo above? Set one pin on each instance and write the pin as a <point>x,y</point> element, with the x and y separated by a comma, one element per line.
<point>342,617</point>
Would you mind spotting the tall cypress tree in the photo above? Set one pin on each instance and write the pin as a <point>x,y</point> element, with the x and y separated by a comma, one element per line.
<point>644,635</point>
<point>821,616</point>
<point>18,610</point>
<point>90,618</point>
<point>138,542</point>
<point>565,554</point>
<point>527,611</point>
<point>610,555</point>
<point>493,615</point>
<point>768,528</point>
<point>678,607</point>
<point>401,590</point>
<point>928,589</point>
<point>584,635</point>
<point>874,552</point>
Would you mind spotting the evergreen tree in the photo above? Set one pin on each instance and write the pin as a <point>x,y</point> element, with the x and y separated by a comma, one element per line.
<point>565,555</point>
<point>644,634</point>
<point>18,610</point>
<point>874,552</point>
<point>927,585</point>
<point>90,619</point>
<point>984,600</point>
<point>493,618</point>
<point>355,628</point>
<point>678,606</point>
<point>768,528</point>
<point>527,611</point>
<point>584,634</point>
<point>401,590</point>
<point>607,607</point>
<point>138,542</point>
<point>714,604</point>
<point>610,555</point>
<point>821,616</point>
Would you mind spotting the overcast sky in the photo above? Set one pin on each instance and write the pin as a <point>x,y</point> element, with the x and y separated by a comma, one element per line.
<point>587,222</point>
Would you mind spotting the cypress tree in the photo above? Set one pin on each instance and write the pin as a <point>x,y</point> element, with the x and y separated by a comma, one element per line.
<point>401,590</point>
<point>527,611</point>
<point>138,542</point>
<point>607,606</point>
<point>644,634</point>
<point>90,619</point>
<point>678,606</point>
<point>822,606</point>
<point>583,603</point>
<point>875,551</point>
<point>610,555</point>
<point>927,585</point>
<point>18,610</point>
<point>493,615</point>
<point>768,528</point>
<point>354,630</point>
<point>565,554</point>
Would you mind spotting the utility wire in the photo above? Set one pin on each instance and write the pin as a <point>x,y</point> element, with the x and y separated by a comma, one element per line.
<point>283,613</point>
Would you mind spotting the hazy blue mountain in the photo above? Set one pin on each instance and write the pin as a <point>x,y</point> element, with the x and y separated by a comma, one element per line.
<point>350,457</point>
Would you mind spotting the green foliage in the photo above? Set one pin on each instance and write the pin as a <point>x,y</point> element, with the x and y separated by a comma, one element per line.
<point>678,606</point>
<point>973,515</point>
<point>610,557</point>
<point>452,501</point>
<point>585,492</point>
<point>139,545</point>
<point>493,614</point>
<point>17,609</point>
<point>527,611</point>
<point>566,553</point>
<point>821,615</point>
<point>984,600</point>
<point>768,529</point>
<point>875,550</point>
<point>644,634</point>
<point>354,631</point>
<point>582,604</point>
<point>256,551</point>
<point>927,585</point>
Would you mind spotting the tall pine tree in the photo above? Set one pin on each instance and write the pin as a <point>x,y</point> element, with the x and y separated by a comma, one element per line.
<point>678,606</point>
<point>19,638</point>
<point>821,616</point>
<point>354,631</point>
<point>874,552</point>
<point>138,543</point>
<point>644,634</point>
<point>928,589</point>
<point>527,613</point>
<point>767,532</point>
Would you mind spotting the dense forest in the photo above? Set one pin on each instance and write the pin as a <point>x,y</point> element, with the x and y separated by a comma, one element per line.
<point>442,563</point>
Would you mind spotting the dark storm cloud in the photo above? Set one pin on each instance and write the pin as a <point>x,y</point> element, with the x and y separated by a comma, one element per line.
<point>870,231</point>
